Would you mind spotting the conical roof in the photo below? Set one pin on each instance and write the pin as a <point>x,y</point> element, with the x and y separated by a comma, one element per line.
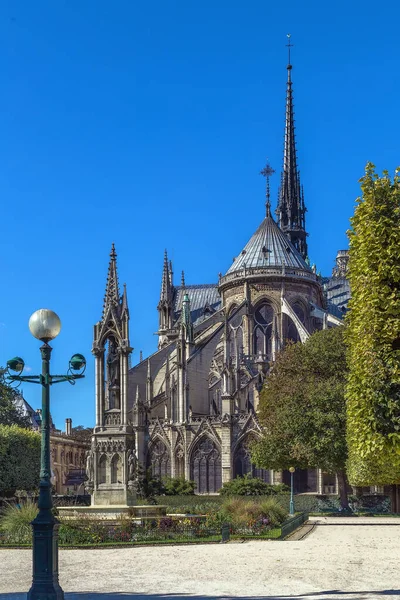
<point>268,247</point>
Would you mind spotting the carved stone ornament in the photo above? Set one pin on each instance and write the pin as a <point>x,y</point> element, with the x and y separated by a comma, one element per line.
<point>226,419</point>
<point>180,453</point>
<point>110,446</point>
<point>112,419</point>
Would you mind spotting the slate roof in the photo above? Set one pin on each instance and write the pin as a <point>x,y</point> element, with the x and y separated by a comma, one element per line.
<point>27,411</point>
<point>204,301</point>
<point>268,247</point>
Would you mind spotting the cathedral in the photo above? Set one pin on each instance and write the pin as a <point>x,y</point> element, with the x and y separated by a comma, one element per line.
<point>190,409</point>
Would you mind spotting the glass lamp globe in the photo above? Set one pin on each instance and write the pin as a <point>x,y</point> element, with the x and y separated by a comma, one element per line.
<point>44,324</point>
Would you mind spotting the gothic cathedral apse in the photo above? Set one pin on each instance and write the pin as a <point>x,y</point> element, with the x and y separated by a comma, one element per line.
<point>190,409</point>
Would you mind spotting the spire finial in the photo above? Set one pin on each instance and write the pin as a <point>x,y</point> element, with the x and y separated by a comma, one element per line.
<point>267,172</point>
<point>111,297</point>
<point>291,209</point>
<point>183,279</point>
<point>289,45</point>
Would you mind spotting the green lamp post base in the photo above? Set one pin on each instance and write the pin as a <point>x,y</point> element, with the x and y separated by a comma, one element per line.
<point>45,584</point>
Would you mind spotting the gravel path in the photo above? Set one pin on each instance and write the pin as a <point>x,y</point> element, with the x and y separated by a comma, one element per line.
<point>355,558</point>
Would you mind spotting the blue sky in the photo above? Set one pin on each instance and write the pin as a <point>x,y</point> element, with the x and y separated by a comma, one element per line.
<point>146,124</point>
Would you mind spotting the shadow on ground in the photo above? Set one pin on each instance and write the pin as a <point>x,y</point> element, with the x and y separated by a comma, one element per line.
<point>323,595</point>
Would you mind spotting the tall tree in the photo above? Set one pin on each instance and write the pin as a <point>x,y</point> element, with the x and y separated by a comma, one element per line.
<point>373,333</point>
<point>10,414</point>
<point>302,408</point>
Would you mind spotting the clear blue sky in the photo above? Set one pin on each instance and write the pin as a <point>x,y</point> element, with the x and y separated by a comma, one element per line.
<point>147,123</point>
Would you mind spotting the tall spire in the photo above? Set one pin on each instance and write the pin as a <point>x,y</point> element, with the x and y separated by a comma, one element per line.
<point>291,209</point>
<point>111,297</point>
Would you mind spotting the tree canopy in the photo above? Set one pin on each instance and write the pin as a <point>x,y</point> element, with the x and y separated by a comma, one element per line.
<point>10,414</point>
<point>302,407</point>
<point>373,333</point>
<point>82,433</point>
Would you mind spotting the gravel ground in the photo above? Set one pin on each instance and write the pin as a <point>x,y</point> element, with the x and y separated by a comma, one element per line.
<point>355,558</point>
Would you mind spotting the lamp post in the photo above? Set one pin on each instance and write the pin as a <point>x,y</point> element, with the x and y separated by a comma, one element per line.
<point>291,505</point>
<point>45,325</point>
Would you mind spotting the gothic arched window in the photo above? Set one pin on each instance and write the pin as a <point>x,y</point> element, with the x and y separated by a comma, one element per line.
<point>242,464</point>
<point>102,469</point>
<point>158,459</point>
<point>263,325</point>
<point>205,467</point>
<point>116,470</point>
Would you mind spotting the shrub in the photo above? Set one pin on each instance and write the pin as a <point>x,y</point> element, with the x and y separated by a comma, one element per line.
<point>250,513</point>
<point>178,486</point>
<point>15,521</point>
<point>251,486</point>
<point>19,459</point>
<point>271,509</point>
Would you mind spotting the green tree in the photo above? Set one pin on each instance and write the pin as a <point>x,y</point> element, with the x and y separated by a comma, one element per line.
<point>19,459</point>
<point>302,408</point>
<point>82,433</point>
<point>9,413</point>
<point>373,333</point>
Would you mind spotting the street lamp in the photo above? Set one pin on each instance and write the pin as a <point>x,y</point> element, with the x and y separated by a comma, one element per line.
<point>291,505</point>
<point>45,325</point>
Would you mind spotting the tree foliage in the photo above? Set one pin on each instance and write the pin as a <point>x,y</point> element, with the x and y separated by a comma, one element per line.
<point>373,333</point>
<point>10,414</point>
<point>302,407</point>
<point>19,459</point>
<point>82,433</point>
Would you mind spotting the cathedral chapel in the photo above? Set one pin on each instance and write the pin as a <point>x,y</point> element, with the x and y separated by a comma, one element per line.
<point>190,409</point>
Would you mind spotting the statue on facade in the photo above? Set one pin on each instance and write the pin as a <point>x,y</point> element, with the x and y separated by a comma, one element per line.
<point>89,466</point>
<point>132,465</point>
<point>113,379</point>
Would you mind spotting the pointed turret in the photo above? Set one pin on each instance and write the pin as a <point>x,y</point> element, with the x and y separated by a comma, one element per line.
<point>165,280</point>
<point>124,302</point>
<point>111,297</point>
<point>187,324</point>
<point>165,305</point>
<point>291,209</point>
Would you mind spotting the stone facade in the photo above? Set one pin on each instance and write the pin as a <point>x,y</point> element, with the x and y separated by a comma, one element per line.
<point>68,462</point>
<point>190,409</point>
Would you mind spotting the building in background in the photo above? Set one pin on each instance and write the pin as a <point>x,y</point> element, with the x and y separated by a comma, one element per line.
<point>68,451</point>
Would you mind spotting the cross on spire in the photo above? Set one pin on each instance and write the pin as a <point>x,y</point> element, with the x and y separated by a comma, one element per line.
<point>288,46</point>
<point>266,172</point>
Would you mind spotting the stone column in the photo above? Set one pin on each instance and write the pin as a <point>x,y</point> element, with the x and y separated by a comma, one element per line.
<point>226,454</point>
